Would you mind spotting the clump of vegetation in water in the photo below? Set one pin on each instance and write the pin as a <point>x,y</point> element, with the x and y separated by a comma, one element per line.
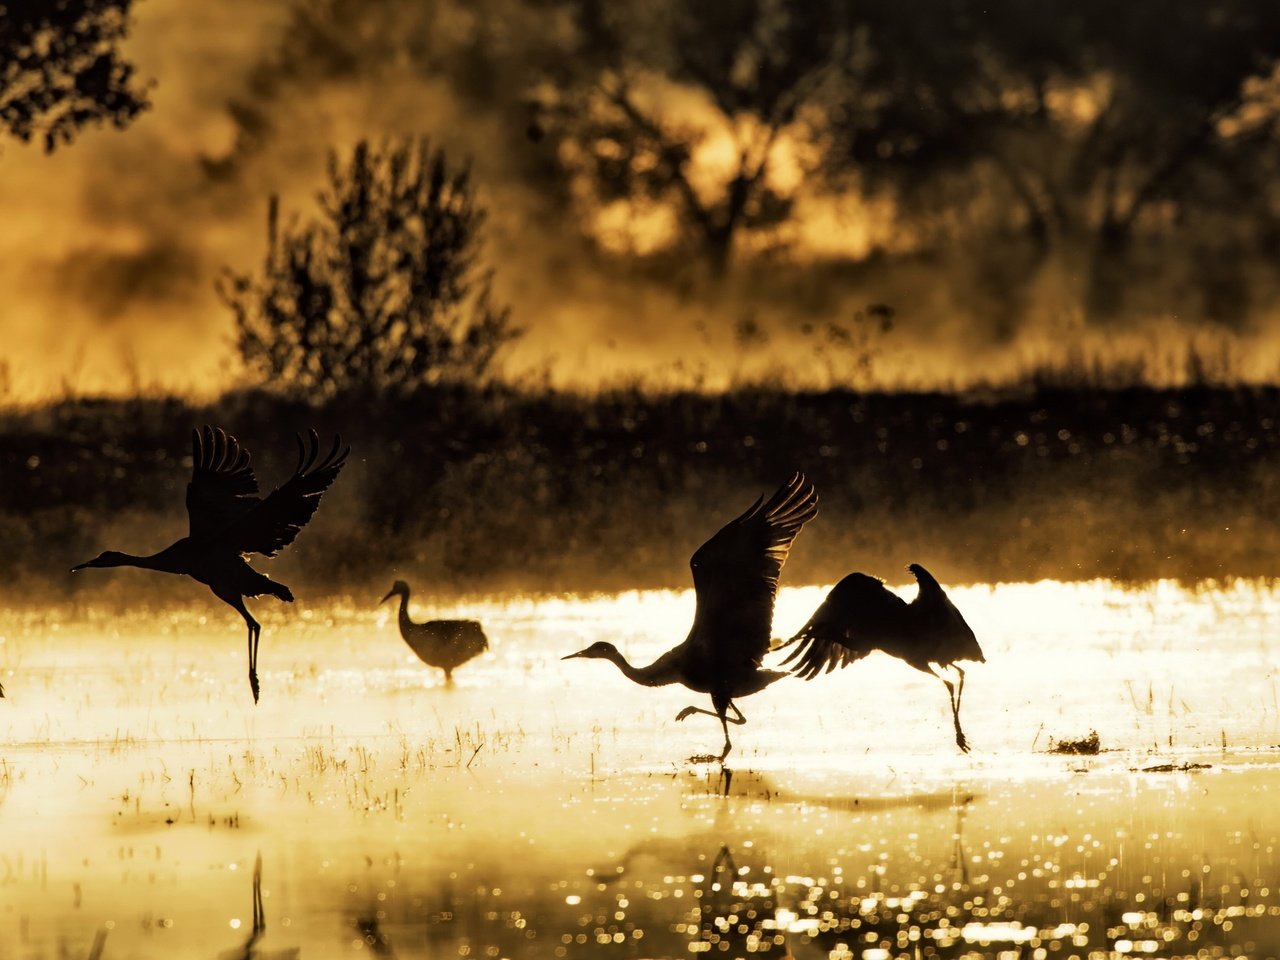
<point>1085,746</point>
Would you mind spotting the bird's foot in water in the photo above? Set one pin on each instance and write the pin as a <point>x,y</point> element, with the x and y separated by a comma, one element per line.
<point>712,757</point>
<point>706,758</point>
<point>253,684</point>
<point>962,742</point>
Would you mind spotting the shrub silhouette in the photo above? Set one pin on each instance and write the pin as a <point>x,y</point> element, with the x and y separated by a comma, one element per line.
<point>382,293</point>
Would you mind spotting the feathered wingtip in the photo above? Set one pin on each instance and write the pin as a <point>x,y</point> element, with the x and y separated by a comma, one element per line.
<point>309,454</point>
<point>815,653</point>
<point>213,449</point>
<point>218,457</point>
<point>925,579</point>
<point>795,503</point>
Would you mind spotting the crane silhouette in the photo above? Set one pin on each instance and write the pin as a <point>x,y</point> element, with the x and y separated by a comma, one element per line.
<point>446,644</point>
<point>735,579</point>
<point>861,615</point>
<point>228,521</point>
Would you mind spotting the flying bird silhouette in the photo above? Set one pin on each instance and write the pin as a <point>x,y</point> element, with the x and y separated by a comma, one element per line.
<point>861,615</point>
<point>446,644</point>
<point>735,578</point>
<point>228,521</point>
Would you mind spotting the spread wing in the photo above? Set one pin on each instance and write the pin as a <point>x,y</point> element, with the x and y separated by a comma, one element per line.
<point>275,521</point>
<point>222,484</point>
<point>735,574</point>
<point>954,637</point>
<point>858,613</point>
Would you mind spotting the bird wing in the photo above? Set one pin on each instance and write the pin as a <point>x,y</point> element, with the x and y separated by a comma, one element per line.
<point>735,575</point>
<point>944,620</point>
<point>857,615</point>
<point>274,522</point>
<point>222,484</point>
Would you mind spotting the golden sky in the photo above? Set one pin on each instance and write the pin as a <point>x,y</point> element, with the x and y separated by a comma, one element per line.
<point>110,246</point>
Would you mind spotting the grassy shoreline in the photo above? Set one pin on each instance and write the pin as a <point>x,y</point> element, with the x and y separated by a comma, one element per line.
<point>495,491</point>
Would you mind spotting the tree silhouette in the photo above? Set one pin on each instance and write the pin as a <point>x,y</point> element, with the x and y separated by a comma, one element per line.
<point>61,68</point>
<point>1072,158</point>
<point>1078,124</point>
<point>675,114</point>
<point>382,293</point>
<point>686,112</point>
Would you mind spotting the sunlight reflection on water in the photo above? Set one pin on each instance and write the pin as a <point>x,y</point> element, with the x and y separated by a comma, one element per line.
<point>541,808</point>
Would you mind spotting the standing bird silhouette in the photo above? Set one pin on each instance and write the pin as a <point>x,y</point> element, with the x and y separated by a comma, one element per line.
<point>228,521</point>
<point>735,579</point>
<point>861,615</point>
<point>446,644</point>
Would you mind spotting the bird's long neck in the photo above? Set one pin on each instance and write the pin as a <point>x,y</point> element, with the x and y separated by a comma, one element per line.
<point>162,561</point>
<point>654,675</point>
<point>405,622</point>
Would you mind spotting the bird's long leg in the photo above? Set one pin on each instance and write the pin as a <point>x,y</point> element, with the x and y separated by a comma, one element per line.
<point>961,742</point>
<point>740,719</point>
<point>724,723</point>
<point>960,737</point>
<point>725,720</point>
<point>720,715</point>
<point>255,633</point>
<point>953,695</point>
<point>255,630</point>
<point>690,711</point>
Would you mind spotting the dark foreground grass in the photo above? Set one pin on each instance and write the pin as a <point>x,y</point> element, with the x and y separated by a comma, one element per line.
<point>489,491</point>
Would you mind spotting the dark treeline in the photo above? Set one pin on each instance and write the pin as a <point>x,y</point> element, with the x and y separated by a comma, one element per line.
<point>460,490</point>
<point>1008,163</point>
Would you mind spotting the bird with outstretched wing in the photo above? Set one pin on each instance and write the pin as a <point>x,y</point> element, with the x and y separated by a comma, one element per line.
<point>229,520</point>
<point>735,577</point>
<point>861,615</point>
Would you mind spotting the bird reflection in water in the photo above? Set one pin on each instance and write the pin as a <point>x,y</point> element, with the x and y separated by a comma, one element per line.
<point>735,903</point>
<point>370,930</point>
<point>249,949</point>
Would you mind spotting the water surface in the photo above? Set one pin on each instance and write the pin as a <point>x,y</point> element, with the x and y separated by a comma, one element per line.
<point>546,808</point>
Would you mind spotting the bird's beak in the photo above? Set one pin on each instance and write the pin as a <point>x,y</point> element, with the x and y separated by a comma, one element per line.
<point>80,566</point>
<point>574,655</point>
<point>390,594</point>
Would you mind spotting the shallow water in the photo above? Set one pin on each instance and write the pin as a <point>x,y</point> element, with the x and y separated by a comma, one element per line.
<point>545,808</point>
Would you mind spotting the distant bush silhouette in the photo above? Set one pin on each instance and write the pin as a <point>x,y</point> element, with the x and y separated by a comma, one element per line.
<point>61,69</point>
<point>382,293</point>
<point>603,491</point>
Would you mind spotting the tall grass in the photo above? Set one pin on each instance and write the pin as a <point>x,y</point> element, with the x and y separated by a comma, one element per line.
<point>501,489</point>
